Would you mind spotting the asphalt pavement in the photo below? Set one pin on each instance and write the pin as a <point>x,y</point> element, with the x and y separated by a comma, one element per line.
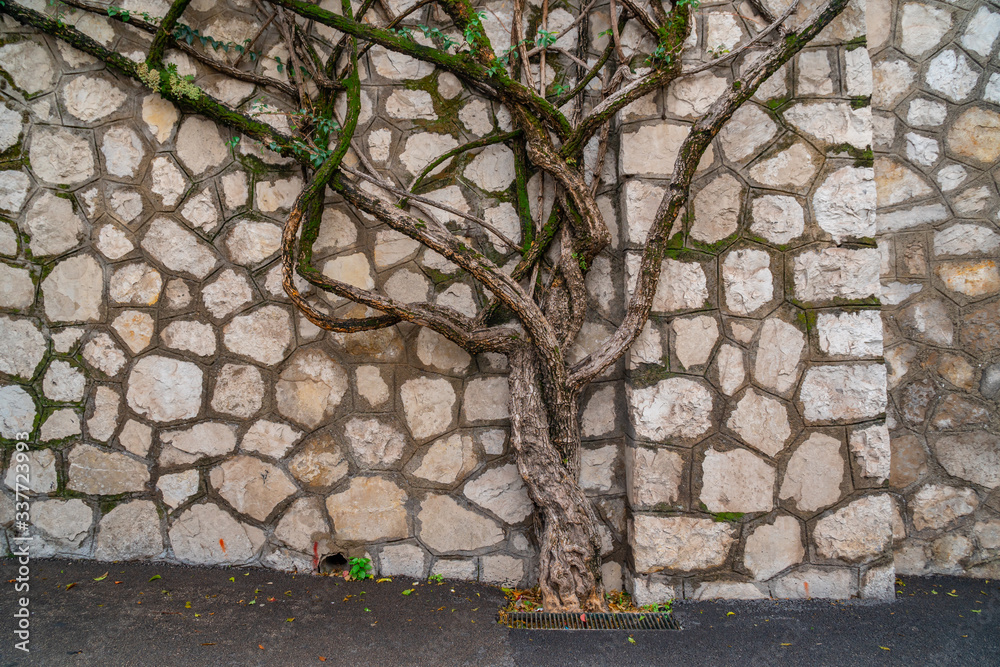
<point>159,614</point>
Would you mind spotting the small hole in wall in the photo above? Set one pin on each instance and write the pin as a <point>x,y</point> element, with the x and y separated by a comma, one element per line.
<point>332,563</point>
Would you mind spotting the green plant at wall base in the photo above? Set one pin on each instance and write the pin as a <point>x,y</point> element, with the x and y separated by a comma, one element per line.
<point>436,578</point>
<point>659,607</point>
<point>361,568</point>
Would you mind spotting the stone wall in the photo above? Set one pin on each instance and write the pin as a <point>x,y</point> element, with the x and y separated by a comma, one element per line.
<point>937,140</point>
<point>757,448</point>
<point>180,409</point>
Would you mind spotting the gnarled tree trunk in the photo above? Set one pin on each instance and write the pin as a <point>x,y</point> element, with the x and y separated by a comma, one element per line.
<point>569,543</point>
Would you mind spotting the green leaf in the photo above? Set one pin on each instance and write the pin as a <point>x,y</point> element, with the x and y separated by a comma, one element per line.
<point>102,577</point>
<point>155,577</point>
<point>408,591</point>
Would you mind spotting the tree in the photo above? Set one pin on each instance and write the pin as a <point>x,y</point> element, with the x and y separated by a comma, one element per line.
<point>536,310</point>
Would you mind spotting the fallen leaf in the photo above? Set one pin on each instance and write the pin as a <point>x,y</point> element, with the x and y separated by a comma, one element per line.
<point>631,641</point>
<point>209,644</point>
<point>786,644</point>
<point>383,580</point>
<point>102,577</point>
<point>322,659</point>
<point>69,586</point>
<point>407,591</point>
<point>155,577</point>
<point>118,582</point>
<point>885,648</point>
<point>187,605</point>
<point>730,613</point>
<point>290,619</point>
<point>260,646</point>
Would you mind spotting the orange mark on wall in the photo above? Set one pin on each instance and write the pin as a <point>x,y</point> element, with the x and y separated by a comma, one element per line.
<point>222,543</point>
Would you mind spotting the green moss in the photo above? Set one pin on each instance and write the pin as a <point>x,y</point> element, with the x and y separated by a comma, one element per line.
<point>862,158</point>
<point>856,43</point>
<point>649,375</point>
<point>861,102</point>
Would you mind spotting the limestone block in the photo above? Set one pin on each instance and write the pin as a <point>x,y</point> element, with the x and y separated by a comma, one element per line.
<point>501,570</point>
<point>641,199</point>
<point>501,490</point>
<point>447,460</point>
<point>177,488</point>
<point>486,399</point>
<point>844,204</point>
<point>870,446</point>
<point>17,411</point>
<point>74,290</point>
<point>679,543</point>
<point>168,181</point>
<point>923,27</point>
<point>423,148</point>
<point>178,249</point>
<point>113,243</point>
<point>60,156</point>
<point>681,286</point>
<point>447,527</point>
<point>692,96</point>
<point>653,477</point>
<point>747,280</point>
<point>597,468</point>
<point>136,328</point>
<point>837,273</point>
<point>137,284</point>
<point>410,105</point>
<point>851,334</point>
<point>264,335</point>
<point>226,294</point>
<point>303,525</point>
<point>952,74</point>
<point>131,531</point>
<point>694,339</point>
<point>41,472</point>
<point>859,531</point>
<point>16,288</point>
<point>320,462</point>
<point>736,481</point>
<point>92,98</point>
<point>60,526</point>
<point>777,218</point>
<point>935,506</point>
<point>814,474</point>
<point>251,486</point>
<point>832,122</point>
<point>272,196</point>
<point>200,145</point>
<point>59,425</point>
<point>746,132</point>
<point>652,149</point>
<point>729,364</point>
<point>101,353</point>
<point>206,439</point>
<point>814,582</point>
<point>492,169</point>
<point>599,414</point>
<point>250,243</point>
<point>206,535</point>
<point>454,568</point>
<point>189,336</point>
<point>717,209</point>
<point>22,348</point>
<point>310,388</point>
<point>97,472</point>
<point>793,167</point>
<point>773,547</point>
<point>676,407</point>
<point>29,64</point>
<point>164,389</point>
<point>370,509</point>
<point>779,350</point>
<point>160,116</point>
<point>973,278</point>
<point>404,560</point>
<point>973,456</point>
<point>123,151</point>
<point>53,225</point>
<point>135,437</point>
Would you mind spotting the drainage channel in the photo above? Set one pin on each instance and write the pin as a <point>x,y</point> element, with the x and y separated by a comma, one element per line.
<point>538,620</point>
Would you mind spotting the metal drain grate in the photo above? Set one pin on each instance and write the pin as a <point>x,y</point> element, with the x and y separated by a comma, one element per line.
<point>538,620</point>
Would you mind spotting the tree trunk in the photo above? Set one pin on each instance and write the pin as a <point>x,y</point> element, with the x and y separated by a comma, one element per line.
<point>570,546</point>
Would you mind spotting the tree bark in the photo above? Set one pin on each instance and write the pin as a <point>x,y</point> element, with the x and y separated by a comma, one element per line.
<point>569,543</point>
